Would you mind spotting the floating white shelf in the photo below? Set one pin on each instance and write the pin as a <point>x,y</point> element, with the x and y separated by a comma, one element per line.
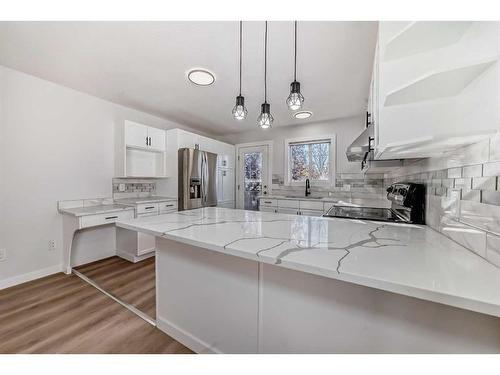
<point>437,85</point>
<point>423,36</point>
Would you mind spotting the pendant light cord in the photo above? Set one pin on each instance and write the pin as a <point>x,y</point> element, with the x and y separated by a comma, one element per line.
<point>295,65</point>
<point>265,65</point>
<point>241,27</point>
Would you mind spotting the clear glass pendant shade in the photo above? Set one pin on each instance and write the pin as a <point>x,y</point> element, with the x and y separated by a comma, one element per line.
<point>295,99</point>
<point>265,120</point>
<point>239,110</point>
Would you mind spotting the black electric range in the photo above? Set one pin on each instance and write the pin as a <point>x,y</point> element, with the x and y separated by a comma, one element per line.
<point>407,206</point>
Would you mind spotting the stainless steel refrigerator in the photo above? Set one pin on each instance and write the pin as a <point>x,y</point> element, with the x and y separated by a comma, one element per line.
<point>197,179</point>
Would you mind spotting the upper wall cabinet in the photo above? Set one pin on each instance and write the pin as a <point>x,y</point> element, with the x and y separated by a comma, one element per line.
<point>435,87</point>
<point>145,137</point>
<point>140,151</point>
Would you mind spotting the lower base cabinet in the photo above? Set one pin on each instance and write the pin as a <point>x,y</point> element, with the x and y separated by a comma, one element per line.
<point>218,303</point>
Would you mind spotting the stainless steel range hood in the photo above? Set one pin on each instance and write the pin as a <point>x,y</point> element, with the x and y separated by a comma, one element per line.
<point>359,149</point>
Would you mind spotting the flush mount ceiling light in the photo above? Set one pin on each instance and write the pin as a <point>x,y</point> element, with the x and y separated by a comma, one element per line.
<point>265,120</point>
<point>302,115</point>
<point>295,99</point>
<point>239,110</point>
<point>201,77</point>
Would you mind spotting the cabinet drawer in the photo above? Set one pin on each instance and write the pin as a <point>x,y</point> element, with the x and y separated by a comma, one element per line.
<point>102,219</point>
<point>311,212</point>
<point>146,208</point>
<point>168,206</point>
<point>267,209</point>
<point>268,202</point>
<point>311,205</point>
<point>288,203</point>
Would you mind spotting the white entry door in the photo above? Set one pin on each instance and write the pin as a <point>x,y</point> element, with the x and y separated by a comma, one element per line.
<point>253,167</point>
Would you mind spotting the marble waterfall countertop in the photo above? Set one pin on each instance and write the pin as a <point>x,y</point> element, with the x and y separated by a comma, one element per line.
<point>402,258</point>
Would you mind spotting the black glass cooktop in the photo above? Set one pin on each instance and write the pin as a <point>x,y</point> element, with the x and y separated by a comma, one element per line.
<point>363,213</point>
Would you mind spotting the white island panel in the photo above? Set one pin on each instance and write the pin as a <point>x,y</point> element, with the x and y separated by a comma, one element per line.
<point>206,300</point>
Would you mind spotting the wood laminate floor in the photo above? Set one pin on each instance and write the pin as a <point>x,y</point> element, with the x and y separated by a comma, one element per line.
<point>133,283</point>
<point>64,314</point>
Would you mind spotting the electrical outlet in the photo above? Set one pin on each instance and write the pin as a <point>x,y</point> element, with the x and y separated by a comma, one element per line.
<point>3,255</point>
<point>52,245</point>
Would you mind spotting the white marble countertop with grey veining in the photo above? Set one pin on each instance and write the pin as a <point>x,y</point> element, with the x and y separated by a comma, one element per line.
<point>407,259</point>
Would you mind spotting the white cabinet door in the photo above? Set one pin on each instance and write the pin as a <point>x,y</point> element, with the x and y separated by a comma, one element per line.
<point>186,139</point>
<point>311,212</point>
<point>225,185</point>
<point>156,139</point>
<point>228,185</point>
<point>136,134</point>
<point>291,211</point>
<point>268,209</point>
<point>220,184</point>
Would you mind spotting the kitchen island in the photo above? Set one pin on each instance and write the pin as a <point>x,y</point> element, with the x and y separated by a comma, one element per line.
<point>239,281</point>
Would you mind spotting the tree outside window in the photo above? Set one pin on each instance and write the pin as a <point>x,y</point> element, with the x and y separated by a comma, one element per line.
<point>310,160</point>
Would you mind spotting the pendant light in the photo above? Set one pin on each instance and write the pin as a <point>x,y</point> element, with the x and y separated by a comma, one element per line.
<point>295,99</point>
<point>265,119</point>
<point>239,110</point>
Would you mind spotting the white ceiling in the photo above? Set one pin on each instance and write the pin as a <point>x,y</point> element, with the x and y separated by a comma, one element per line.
<point>143,65</point>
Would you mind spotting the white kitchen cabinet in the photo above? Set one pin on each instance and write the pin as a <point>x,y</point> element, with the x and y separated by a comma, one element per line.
<point>268,209</point>
<point>436,87</point>
<point>136,135</point>
<point>145,137</point>
<point>310,212</point>
<point>156,139</point>
<point>290,211</point>
<point>225,185</point>
<point>136,246</point>
<point>139,151</point>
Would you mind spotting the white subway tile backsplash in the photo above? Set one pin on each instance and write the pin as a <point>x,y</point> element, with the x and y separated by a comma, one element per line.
<point>484,183</point>
<point>455,172</point>
<point>466,236</point>
<point>491,169</point>
<point>480,215</point>
<point>472,171</point>
<point>490,197</point>
<point>465,183</point>
<point>463,194</point>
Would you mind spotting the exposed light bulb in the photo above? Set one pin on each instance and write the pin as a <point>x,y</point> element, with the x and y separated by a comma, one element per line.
<point>295,99</point>
<point>239,110</point>
<point>265,120</point>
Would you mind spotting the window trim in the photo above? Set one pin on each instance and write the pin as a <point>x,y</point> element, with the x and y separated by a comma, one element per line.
<point>310,139</point>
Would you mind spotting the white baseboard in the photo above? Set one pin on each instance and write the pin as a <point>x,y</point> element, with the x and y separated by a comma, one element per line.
<point>185,338</point>
<point>19,279</point>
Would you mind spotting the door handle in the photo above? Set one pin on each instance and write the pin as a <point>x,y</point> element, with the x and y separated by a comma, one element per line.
<point>147,141</point>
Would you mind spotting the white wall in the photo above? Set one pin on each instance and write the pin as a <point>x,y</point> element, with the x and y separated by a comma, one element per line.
<point>347,129</point>
<point>55,144</point>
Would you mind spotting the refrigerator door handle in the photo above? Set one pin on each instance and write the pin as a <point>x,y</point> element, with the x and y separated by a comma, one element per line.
<point>203,179</point>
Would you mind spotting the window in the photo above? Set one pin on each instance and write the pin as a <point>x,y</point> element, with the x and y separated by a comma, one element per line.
<point>310,159</point>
